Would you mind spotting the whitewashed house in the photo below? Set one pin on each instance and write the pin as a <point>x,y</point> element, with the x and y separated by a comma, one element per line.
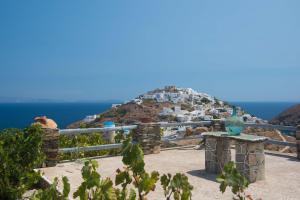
<point>137,101</point>
<point>90,118</point>
<point>160,97</point>
<point>115,105</point>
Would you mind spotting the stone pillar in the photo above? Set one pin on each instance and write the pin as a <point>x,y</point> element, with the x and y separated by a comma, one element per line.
<point>217,154</point>
<point>250,160</point>
<point>210,154</point>
<point>149,138</point>
<point>50,139</point>
<point>218,125</point>
<point>223,153</point>
<point>298,141</point>
<point>110,136</point>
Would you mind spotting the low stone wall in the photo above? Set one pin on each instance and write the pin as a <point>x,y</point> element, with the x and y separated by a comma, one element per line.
<point>149,138</point>
<point>50,139</point>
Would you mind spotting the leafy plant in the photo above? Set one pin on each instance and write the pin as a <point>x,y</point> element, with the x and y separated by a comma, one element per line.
<point>134,172</point>
<point>81,141</point>
<point>230,177</point>
<point>52,193</point>
<point>93,187</point>
<point>20,153</point>
<point>178,186</point>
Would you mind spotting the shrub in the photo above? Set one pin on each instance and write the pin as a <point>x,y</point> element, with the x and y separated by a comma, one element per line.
<point>230,177</point>
<point>178,186</point>
<point>82,140</point>
<point>52,193</point>
<point>134,172</point>
<point>93,187</point>
<point>20,153</point>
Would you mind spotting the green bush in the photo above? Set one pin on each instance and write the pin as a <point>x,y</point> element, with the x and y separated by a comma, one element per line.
<point>178,186</point>
<point>93,186</point>
<point>82,140</point>
<point>20,153</point>
<point>52,193</point>
<point>230,177</point>
<point>85,140</point>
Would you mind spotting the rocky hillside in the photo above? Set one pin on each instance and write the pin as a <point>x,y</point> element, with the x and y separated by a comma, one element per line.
<point>289,117</point>
<point>168,104</point>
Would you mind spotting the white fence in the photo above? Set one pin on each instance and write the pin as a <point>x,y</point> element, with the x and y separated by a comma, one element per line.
<point>168,138</point>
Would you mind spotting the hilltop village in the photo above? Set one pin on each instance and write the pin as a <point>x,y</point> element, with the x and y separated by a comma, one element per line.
<point>169,104</point>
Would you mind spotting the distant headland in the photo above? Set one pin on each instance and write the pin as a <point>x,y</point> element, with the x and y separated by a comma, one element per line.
<point>168,104</point>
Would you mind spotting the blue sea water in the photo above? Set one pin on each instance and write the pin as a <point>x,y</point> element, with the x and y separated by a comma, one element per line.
<point>264,110</point>
<point>20,115</point>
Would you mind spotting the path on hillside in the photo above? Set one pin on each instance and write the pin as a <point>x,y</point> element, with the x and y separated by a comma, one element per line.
<point>283,139</point>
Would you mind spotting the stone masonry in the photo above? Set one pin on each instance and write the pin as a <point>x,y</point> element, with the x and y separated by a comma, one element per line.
<point>217,154</point>
<point>50,139</point>
<point>249,154</point>
<point>149,138</point>
<point>250,160</point>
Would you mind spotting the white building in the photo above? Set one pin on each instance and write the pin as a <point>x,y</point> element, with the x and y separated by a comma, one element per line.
<point>197,113</point>
<point>90,118</point>
<point>115,105</point>
<point>137,101</point>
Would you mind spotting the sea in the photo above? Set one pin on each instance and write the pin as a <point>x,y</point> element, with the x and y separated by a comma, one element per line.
<point>20,115</point>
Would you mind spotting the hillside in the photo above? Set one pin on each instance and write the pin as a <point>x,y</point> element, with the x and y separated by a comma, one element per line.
<point>168,104</point>
<point>289,117</point>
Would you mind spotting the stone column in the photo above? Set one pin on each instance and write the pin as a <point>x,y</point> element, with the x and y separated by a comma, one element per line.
<point>217,154</point>
<point>223,153</point>
<point>110,136</point>
<point>149,138</point>
<point>250,160</point>
<point>50,139</point>
<point>298,141</point>
<point>218,125</point>
<point>210,154</point>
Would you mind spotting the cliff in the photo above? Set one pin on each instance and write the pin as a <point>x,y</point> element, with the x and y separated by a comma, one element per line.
<point>289,117</point>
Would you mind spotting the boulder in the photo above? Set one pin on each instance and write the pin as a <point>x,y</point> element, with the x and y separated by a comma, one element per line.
<point>195,131</point>
<point>199,130</point>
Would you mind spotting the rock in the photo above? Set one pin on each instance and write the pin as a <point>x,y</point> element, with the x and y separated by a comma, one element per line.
<point>196,131</point>
<point>45,122</point>
<point>200,130</point>
<point>289,117</point>
<point>188,132</point>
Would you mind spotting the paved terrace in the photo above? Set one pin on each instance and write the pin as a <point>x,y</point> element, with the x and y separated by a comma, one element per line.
<point>282,174</point>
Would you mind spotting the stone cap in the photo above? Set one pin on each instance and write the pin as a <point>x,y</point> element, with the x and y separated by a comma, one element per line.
<point>243,137</point>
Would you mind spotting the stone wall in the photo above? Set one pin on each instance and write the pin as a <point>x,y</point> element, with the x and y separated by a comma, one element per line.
<point>50,139</point>
<point>149,138</point>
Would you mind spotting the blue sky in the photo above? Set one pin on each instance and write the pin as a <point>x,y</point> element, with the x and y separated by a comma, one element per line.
<point>97,50</point>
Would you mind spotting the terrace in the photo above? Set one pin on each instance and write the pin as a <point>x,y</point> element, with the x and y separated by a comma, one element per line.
<point>282,171</point>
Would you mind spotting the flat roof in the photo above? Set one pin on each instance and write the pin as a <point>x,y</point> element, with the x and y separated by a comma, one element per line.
<point>282,174</point>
